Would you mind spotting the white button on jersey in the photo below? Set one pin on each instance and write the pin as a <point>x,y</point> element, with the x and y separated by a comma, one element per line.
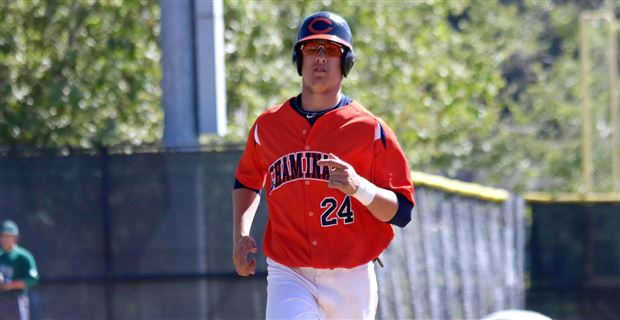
<point>307,148</point>
<point>304,131</point>
<point>314,243</point>
<point>311,213</point>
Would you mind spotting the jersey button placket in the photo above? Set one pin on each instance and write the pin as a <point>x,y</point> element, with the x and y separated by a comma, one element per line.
<point>307,182</point>
<point>312,222</point>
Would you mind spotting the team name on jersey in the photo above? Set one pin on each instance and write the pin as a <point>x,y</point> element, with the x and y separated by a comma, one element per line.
<point>297,166</point>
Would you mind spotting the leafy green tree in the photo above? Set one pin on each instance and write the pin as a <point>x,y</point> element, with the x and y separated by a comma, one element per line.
<point>476,90</point>
<point>79,73</point>
<point>483,91</point>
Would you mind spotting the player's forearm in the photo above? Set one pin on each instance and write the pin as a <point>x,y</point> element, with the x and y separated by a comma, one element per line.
<point>14,285</point>
<point>384,205</point>
<point>245,204</point>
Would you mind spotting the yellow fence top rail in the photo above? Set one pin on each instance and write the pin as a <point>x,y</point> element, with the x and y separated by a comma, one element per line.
<point>501,195</point>
<point>547,197</point>
<point>459,187</point>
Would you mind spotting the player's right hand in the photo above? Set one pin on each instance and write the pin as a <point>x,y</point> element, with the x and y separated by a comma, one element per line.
<point>241,249</point>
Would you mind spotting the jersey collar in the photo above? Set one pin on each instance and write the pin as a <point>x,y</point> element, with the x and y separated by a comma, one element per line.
<point>312,116</point>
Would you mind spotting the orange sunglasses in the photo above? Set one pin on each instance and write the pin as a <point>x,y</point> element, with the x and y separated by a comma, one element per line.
<point>331,49</point>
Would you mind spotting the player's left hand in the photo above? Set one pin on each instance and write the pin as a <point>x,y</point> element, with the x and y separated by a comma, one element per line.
<point>342,176</point>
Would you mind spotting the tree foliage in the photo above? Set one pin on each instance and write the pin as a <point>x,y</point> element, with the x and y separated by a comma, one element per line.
<point>79,73</point>
<point>483,91</point>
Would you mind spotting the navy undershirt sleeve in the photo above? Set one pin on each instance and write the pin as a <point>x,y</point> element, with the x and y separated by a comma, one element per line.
<point>239,185</point>
<point>404,212</point>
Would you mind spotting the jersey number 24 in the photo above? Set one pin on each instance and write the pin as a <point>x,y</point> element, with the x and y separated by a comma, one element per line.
<point>344,211</point>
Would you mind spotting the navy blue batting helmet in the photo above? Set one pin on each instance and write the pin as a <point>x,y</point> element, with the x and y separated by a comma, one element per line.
<point>325,26</point>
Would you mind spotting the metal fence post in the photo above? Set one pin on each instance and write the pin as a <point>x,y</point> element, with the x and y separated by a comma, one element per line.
<point>107,251</point>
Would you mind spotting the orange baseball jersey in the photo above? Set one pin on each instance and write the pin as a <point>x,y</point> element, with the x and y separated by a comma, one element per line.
<point>310,224</point>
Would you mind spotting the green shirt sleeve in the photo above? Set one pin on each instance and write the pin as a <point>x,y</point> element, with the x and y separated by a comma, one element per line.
<point>31,277</point>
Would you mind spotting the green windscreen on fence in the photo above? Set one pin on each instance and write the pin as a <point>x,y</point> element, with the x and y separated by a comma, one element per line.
<point>146,235</point>
<point>574,259</point>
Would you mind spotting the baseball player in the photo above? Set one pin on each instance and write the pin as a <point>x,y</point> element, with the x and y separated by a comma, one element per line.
<point>18,273</point>
<point>335,179</point>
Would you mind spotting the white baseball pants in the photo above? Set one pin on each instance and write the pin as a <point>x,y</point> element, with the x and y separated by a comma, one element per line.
<point>309,293</point>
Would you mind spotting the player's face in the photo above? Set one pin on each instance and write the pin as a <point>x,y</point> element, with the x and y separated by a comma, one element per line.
<point>7,241</point>
<point>321,70</point>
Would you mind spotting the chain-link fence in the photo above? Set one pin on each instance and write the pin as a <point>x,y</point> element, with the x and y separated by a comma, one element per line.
<point>599,102</point>
<point>461,258</point>
<point>146,235</point>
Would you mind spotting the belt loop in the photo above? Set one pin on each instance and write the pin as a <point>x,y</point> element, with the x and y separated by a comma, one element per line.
<point>377,260</point>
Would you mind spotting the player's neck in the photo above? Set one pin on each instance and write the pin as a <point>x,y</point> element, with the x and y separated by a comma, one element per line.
<point>319,101</point>
<point>9,248</point>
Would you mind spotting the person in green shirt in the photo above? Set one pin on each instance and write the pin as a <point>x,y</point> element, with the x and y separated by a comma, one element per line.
<point>18,273</point>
